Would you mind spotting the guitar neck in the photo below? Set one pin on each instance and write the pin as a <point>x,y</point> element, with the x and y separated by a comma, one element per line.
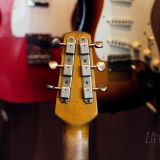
<point>76,141</point>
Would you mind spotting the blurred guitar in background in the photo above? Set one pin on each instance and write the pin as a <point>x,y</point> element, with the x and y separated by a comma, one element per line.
<point>26,30</point>
<point>129,47</point>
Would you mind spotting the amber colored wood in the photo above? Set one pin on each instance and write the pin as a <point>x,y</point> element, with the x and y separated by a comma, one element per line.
<point>76,111</point>
<point>76,141</point>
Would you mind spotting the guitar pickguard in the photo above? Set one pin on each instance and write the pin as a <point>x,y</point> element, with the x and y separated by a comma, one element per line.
<point>49,17</point>
<point>124,25</point>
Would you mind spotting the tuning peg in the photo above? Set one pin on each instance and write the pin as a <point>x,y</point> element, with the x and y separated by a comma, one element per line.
<point>54,65</point>
<point>102,89</point>
<point>53,87</point>
<point>155,65</point>
<point>56,43</point>
<point>98,44</point>
<point>100,66</point>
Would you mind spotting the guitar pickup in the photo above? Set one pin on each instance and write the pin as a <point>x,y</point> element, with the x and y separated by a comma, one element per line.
<point>120,22</point>
<point>119,63</point>
<point>119,44</point>
<point>32,3</point>
<point>39,48</point>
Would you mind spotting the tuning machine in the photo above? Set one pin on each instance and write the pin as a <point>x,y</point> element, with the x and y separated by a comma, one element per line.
<point>98,44</point>
<point>56,43</point>
<point>54,65</point>
<point>100,66</point>
<point>102,89</point>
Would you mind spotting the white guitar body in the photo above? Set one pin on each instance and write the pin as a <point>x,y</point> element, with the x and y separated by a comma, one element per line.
<point>125,28</point>
<point>55,18</point>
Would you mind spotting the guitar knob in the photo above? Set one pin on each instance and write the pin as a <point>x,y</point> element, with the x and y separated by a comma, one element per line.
<point>102,89</point>
<point>54,65</point>
<point>136,45</point>
<point>98,44</point>
<point>147,53</point>
<point>155,65</point>
<point>100,66</point>
<point>151,38</point>
<point>56,43</point>
<point>53,87</point>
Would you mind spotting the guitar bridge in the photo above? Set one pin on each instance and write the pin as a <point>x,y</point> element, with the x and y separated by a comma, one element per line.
<point>39,48</point>
<point>119,63</point>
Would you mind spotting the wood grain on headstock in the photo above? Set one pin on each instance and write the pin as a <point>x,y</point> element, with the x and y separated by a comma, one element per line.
<point>76,111</point>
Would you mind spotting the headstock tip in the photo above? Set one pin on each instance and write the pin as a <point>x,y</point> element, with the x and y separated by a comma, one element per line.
<point>102,89</point>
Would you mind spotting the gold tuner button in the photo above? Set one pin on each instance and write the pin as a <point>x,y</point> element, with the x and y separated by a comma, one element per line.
<point>100,66</point>
<point>56,43</point>
<point>98,44</point>
<point>155,65</point>
<point>53,87</point>
<point>54,65</point>
<point>102,89</point>
<point>147,53</point>
<point>136,45</point>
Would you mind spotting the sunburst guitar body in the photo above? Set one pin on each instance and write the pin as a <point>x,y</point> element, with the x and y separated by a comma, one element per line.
<point>125,29</point>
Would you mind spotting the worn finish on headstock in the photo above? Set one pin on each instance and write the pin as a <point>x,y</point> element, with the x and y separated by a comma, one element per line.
<point>76,111</point>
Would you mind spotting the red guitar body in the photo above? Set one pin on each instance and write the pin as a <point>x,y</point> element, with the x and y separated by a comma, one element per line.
<point>20,82</point>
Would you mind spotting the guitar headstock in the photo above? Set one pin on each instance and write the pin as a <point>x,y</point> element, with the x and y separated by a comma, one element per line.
<point>76,101</point>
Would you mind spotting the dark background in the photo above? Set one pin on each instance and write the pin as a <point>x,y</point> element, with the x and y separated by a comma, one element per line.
<point>33,132</point>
